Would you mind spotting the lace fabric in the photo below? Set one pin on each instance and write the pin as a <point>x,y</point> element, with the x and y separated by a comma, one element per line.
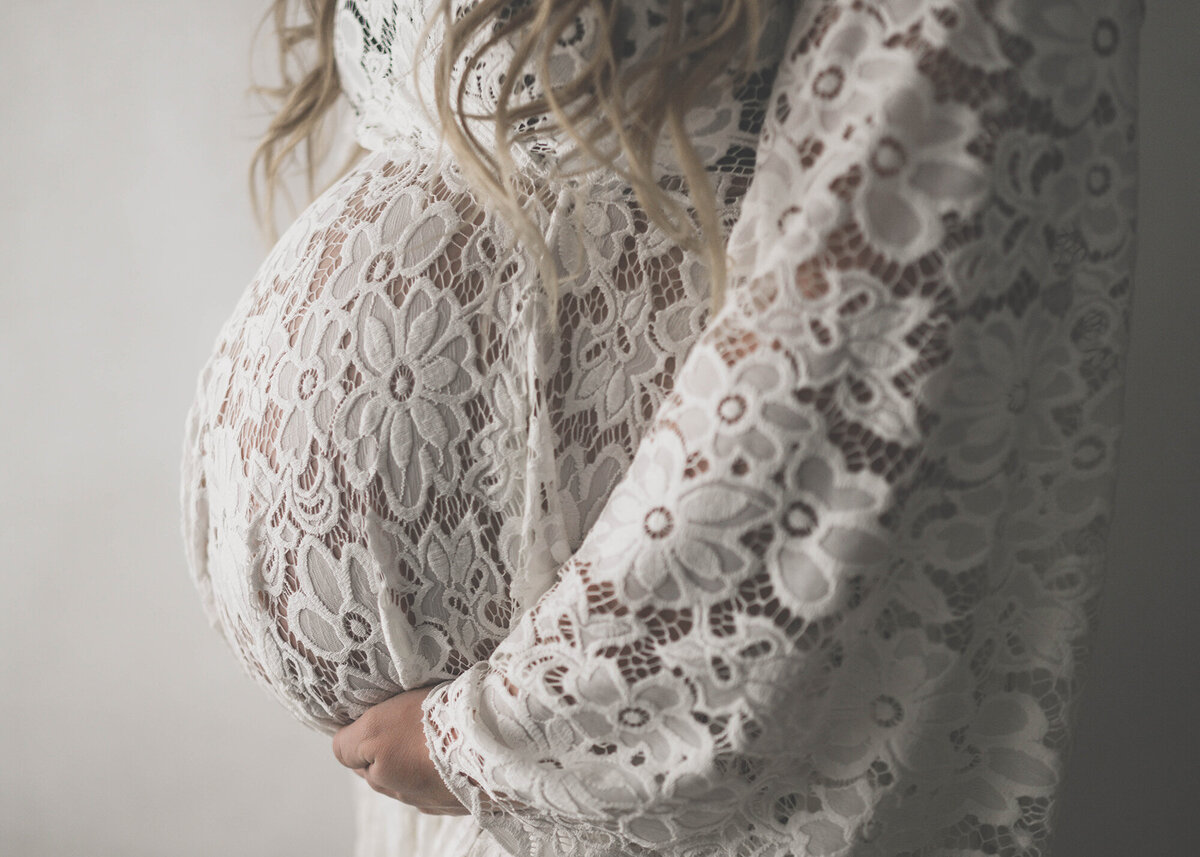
<point>818,580</point>
<point>364,467</point>
<point>389,82</point>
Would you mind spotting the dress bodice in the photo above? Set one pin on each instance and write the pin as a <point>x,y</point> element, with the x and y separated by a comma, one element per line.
<point>377,44</point>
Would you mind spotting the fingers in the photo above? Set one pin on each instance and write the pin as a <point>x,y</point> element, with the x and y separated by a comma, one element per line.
<point>439,809</point>
<point>378,789</point>
<point>415,799</point>
<point>386,747</point>
<point>348,747</point>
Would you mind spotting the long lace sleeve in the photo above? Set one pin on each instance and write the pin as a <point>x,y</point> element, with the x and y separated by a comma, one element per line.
<point>840,600</point>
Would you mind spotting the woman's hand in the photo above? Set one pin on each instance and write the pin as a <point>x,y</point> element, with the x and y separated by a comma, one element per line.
<point>386,747</point>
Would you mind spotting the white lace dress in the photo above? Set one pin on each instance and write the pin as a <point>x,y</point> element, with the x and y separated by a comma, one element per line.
<point>817,581</point>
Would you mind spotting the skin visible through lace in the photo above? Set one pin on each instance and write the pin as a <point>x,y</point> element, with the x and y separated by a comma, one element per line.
<point>329,681</point>
<point>842,550</point>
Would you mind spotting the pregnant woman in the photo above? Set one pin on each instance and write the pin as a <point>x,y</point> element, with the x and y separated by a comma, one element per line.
<point>691,428</point>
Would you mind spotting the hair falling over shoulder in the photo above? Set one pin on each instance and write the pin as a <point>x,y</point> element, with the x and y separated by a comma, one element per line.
<point>294,134</point>
<point>615,111</point>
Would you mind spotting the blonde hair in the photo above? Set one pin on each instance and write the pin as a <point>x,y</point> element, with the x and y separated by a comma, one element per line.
<point>614,112</point>
<point>296,131</point>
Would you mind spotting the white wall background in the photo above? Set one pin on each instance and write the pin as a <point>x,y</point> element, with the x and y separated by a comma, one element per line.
<point>126,729</point>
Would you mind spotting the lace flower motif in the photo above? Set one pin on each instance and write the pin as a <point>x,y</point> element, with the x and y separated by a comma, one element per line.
<point>1003,398</point>
<point>897,702</point>
<point>814,541</point>
<point>855,337</point>
<point>327,616</point>
<point>1099,184</point>
<point>1076,53</point>
<point>411,380</point>
<point>1004,748</point>
<point>650,718</point>
<point>919,170</point>
<point>307,377</point>
<point>1013,621</point>
<point>615,359</point>
<point>677,533</point>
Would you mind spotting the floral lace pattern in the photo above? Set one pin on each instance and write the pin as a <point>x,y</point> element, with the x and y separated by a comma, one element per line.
<point>361,455</point>
<point>370,492</point>
<point>818,580</point>
<point>389,82</point>
<point>840,601</point>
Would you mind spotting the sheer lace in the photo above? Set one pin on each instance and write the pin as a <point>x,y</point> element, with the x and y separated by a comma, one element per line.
<point>387,429</point>
<point>365,467</point>
<point>818,581</point>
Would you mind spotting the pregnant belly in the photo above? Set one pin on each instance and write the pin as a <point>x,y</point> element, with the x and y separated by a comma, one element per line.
<point>349,489</point>
<point>360,452</point>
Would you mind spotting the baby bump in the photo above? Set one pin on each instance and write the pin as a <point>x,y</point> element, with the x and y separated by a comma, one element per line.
<point>354,426</point>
